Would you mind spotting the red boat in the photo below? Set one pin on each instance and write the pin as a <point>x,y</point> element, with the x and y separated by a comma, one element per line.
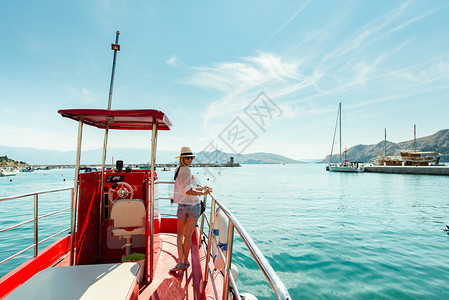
<point>120,245</point>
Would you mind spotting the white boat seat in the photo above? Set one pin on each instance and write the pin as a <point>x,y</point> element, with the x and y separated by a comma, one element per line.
<point>128,219</point>
<point>103,281</point>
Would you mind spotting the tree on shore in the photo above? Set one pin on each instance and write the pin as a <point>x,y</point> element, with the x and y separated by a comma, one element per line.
<point>7,162</point>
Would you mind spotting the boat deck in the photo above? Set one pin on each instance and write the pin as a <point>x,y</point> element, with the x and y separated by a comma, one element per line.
<point>180,285</point>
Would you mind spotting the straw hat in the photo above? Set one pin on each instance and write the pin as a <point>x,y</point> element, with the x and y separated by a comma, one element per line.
<point>186,152</point>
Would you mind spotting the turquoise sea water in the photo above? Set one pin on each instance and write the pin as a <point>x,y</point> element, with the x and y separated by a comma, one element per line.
<point>20,210</point>
<point>327,235</point>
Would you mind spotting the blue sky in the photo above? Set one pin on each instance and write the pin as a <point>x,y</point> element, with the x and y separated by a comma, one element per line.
<point>208,64</point>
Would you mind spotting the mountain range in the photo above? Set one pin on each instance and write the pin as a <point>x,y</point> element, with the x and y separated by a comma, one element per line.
<point>250,158</point>
<point>34,156</point>
<point>437,142</point>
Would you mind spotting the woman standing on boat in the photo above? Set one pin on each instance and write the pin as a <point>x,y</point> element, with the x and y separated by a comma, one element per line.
<point>189,208</point>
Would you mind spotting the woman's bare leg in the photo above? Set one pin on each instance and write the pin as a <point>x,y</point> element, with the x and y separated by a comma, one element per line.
<point>180,239</point>
<point>188,232</point>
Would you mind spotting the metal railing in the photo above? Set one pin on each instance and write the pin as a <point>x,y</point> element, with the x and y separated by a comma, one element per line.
<point>271,276</point>
<point>164,183</point>
<point>35,220</point>
<point>276,284</point>
<point>165,198</point>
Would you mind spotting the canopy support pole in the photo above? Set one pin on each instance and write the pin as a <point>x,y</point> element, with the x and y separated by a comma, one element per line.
<point>75,192</point>
<point>153,167</point>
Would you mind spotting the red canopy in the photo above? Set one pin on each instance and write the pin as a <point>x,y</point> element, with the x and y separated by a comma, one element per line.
<point>124,119</point>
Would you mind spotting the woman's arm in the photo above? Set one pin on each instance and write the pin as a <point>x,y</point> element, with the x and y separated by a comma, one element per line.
<point>203,191</point>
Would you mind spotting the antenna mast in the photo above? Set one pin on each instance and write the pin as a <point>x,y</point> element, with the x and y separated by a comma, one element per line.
<point>115,47</point>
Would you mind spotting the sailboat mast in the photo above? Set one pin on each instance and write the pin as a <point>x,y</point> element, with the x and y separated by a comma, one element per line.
<point>115,47</point>
<point>339,114</point>
<point>385,143</point>
<point>414,137</point>
<point>333,139</point>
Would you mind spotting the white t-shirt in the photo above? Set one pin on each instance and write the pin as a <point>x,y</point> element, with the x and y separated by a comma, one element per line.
<point>183,183</point>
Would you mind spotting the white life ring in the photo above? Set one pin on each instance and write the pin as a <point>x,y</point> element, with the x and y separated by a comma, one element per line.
<point>247,296</point>
<point>218,260</point>
<point>220,231</point>
<point>221,223</point>
<point>234,272</point>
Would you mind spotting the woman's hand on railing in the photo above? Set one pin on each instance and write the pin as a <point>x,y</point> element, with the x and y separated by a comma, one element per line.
<point>206,190</point>
<point>198,191</point>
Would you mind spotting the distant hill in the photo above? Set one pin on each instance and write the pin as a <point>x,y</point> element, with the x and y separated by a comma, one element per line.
<point>251,158</point>
<point>134,156</point>
<point>438,142</point>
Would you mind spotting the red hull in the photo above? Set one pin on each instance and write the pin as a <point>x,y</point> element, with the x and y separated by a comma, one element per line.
<point>45,259</point>
<point>182,285</point>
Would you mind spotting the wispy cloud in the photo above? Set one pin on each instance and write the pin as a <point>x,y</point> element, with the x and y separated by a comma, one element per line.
<point>240,82</point>
<point>377,63</point>
<point>411,21</point>
<point>246,74</point>
<point>288,85</point>
<point>172,61</point>
<point>368,31</point>
<point>425,72</point>
<point>300,10</point>
<point>380,28</point>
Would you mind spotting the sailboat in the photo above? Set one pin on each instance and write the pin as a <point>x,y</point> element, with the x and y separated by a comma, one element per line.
<point>412,157</point>
<point>352,166</point>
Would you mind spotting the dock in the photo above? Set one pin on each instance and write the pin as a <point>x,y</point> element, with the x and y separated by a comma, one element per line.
<point>419,170</point>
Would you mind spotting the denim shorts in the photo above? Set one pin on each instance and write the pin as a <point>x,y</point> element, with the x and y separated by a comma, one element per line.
<point>191,211</point>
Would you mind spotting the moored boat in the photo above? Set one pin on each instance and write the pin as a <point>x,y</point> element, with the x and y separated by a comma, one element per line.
<point>115,220</point>
<point>412,157</point>
<point>409,158</point>
<point>347,167</point>
<point>27,169</point>
<point>8,172</point>
<point>343,166</point>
